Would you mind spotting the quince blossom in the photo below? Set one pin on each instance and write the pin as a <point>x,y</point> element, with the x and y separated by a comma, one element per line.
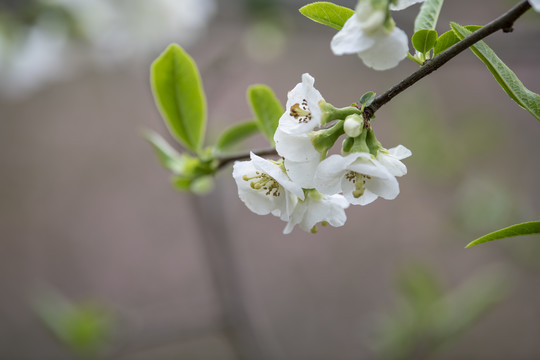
<point>364,33</point>
<point>391,159</point>
<point>359,176</point>
<point>318,208</point>
<point>265,188</point>
<point>302,113</point>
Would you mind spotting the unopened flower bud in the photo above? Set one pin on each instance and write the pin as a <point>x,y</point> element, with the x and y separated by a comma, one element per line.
<point>353,125</point>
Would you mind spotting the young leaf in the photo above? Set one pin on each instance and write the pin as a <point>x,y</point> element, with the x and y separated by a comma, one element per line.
<point>327,13</point>
<point>424,40</point>
<point>527,228</point>
<point>449,38</point>
<point>508,80</point>
<point>179,96</point>
<point>428,15</point>
<point>235,134</point>
<point>267,109</point>
<point>367,98</point>
<point>168,157</point>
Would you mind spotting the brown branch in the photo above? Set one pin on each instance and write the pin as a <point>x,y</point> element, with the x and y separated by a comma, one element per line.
<point>503,22</point>
<point>224,161</point>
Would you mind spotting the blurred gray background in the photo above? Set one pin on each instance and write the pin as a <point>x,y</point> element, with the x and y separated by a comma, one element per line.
<point>86,210</point>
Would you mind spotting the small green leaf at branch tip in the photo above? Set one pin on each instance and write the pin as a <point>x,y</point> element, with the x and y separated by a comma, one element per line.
<point>266,108</point>
<point>424,40</point>
<point>506,78</point>
<point>428,15</point>
<point>367,98</point>
<point>179,96</point>
<point>528,228</point>
<point>235,134</point>
<point>327,13</point>
<point>449,38</point>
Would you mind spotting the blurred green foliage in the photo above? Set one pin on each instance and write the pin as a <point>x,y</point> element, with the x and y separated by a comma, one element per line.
<point>85,328</point>
<point>428,318</point>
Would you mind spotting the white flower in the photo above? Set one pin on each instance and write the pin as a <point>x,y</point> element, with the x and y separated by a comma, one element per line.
<point>265,188</point>
<point>303,113</point>
<point>391,159</point>
<point>318,208</point>
<point>535,4</point>
<point>359,176</point>
<point>364,33</point>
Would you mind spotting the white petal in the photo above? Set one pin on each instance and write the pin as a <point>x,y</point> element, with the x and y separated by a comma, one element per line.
<point>351,38</point>
<point>392,164</point>
<point>256,201</point>
<point>388,50</point>
<point>329,174</point>
<point>277,173</point>
<point>402,4</point>
<point>400,152</point>
<point>387,188</point>
<point>302,173</point>
<point>316,209</point>
<point>303,93</point>
<point>295,147</point>
<point>363,163</point>
<point>535,4</point>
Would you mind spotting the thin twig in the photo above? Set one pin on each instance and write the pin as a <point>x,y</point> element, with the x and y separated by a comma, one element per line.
<point>224,161</point>
<point>503,22</point>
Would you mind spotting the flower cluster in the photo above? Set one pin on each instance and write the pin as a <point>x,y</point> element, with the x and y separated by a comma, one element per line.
<point>371,33</point>
<point>306,187</point>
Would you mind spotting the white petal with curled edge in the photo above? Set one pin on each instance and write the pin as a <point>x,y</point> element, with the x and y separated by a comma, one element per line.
<point>390,159</point>
<point>388,50</point>
<point>402,4</point>
<point>351,38</point>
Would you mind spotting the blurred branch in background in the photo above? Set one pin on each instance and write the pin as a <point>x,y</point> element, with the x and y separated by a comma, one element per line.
<point>42,41</point>
<point>428,319</point>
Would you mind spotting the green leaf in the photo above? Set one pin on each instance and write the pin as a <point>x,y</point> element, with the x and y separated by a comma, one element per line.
<point>267,109</point>
<point>424,40</point>
<point>167,156</point>
<point>449,38</point>
<point>367,98</point>
<point>235,134</point>
<point>327,13</point>
<point>508,80</point>
<point>528,228</point>
<point>179,96</point>
<point>428,15</point>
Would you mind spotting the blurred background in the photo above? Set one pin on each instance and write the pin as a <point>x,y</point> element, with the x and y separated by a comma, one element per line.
<point>101,259</point>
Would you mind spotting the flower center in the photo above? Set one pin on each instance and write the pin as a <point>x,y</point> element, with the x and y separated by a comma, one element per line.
<point>263,181</point>
<point>301,112</point>
<point>359,181</point>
